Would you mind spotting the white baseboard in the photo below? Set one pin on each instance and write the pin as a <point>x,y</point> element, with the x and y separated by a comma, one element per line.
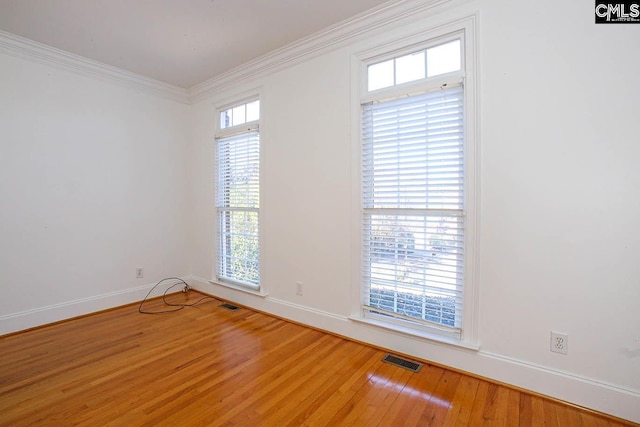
<point>585,392</point>
<point>582,391</point>
<point>39,316</point>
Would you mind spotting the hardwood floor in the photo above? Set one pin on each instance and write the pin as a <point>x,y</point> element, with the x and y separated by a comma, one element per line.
<point>213,367</point>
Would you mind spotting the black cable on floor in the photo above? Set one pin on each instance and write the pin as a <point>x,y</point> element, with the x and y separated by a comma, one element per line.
<point>179,306</point>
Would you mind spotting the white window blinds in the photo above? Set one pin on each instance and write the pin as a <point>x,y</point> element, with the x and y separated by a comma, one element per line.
<point>413,207</point>
<point>237,204</point>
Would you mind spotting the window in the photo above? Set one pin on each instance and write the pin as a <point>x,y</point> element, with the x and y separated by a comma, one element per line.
<point>238,194</point>
<point>414,189</point>
<point>430,62</point>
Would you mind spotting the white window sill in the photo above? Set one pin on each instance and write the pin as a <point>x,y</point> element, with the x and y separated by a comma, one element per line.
<point>415,333</point>
<point>247,290</point>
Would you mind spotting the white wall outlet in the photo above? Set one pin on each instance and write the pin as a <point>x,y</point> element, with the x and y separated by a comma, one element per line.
<point>139,273</point>
<point>559,342</point>
<point>299,288</point>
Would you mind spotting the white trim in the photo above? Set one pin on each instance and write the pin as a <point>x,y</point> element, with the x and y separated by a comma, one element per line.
<point>316,44</point>
<point>39,316</point>
<point>589,393</point>
<point>471,61</point>
<point>240,288</point>
<point>304,49</point>
<point>25,48</point>
<point>324,320</point>
<point>568,375</point>
<point>428,84</point>
<point>466,30</point>
<point>253,126</point>
<point>308,310</point>
<point>414,333</point>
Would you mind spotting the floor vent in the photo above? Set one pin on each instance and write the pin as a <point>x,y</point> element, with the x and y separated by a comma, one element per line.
<point>402,362</point>
<point>229,306</point>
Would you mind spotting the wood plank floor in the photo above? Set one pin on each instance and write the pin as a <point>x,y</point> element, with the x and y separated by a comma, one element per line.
<point>213,367</point>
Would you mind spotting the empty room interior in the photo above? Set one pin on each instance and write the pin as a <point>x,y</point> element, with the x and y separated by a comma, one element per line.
<point>451,183</point>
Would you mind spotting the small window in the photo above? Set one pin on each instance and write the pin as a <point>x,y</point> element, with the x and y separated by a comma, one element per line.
<point>430,62</point>
<point>240,114</point>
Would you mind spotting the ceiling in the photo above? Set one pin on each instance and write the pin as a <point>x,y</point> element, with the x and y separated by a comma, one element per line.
<point>180,42</point>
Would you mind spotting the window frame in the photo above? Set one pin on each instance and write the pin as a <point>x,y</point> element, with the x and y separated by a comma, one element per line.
<point>466,30</point>
<point>226,133</point>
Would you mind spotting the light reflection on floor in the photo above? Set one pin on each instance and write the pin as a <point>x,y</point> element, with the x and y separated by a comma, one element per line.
<point>407,390</point>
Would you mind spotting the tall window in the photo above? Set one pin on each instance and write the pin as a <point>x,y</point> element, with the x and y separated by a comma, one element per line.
<point>413,189</point>
<point>238,194</point>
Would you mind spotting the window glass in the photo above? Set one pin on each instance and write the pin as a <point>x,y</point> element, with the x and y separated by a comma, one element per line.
<point>410,67</point>
<point>413,192</point>
<point>240,114</point>
<point>443,59</point>
<point>225,119</point>
<point>380,75</point>
<point>430,62</point>
<point>253,111</point>
<point>238,196</point>
<point>413,198</point>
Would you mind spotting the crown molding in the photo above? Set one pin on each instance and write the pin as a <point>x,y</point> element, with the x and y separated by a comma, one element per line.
<point>316,44</point>
<point>25,48</point>
<point>306,48</point>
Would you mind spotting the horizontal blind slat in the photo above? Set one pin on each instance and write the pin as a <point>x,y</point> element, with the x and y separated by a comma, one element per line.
<point>237,205</point>
<point>413,194</point>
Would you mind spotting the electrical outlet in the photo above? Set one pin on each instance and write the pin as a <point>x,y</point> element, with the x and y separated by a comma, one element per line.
<point>299,288</point>
<point>139,273</point>
<point>559,342</point>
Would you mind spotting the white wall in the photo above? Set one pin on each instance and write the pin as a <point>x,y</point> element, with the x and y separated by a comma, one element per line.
<point>97,179</point>
<point>558,239</point>
<point>561,183</point>
<point>92,185</point>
